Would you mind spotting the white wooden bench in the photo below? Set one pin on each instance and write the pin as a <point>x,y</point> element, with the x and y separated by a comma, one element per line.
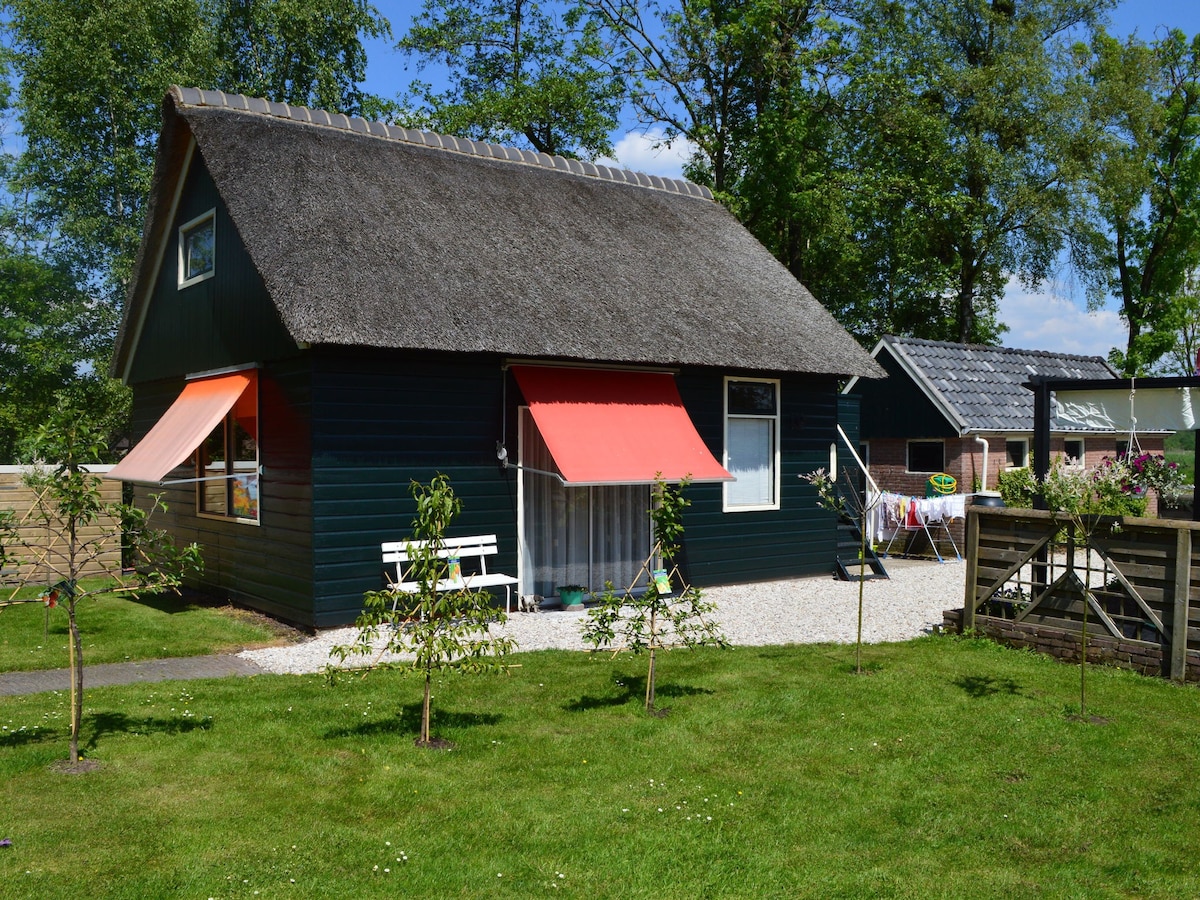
<point>398,554</point>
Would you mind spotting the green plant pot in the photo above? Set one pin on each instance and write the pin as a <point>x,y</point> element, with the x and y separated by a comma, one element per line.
<point>571,599</point>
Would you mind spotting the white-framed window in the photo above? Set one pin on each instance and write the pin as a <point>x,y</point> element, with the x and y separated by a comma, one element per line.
<point>227,465</point>
<point>1017,450</point>
<point>752,444</point>
<point>1073,451</point>
<point>926,457</point>
<point>198,249</point>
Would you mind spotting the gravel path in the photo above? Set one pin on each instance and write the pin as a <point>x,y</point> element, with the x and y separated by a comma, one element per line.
<point>796,611</point>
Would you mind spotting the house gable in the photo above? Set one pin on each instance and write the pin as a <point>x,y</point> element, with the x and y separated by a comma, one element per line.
<point>975,388</point>
<point>224,320</point>
<point>897,407</point>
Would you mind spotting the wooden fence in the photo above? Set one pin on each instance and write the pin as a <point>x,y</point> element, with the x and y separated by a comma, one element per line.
<point>36,558</point>
<point>1132,588</point>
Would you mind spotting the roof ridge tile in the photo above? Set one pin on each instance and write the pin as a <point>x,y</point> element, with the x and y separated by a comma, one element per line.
<point>190,96</point>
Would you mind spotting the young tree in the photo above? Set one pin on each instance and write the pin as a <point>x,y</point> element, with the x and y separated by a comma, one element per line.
<point>1086,499</point>
<point>854,507</point>
<point>434,630</point>
<point>86,533</point>
<point>519,71</point>
<point>659,618</point>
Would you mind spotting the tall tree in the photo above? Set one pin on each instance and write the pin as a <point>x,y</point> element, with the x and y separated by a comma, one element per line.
<point>990,95</point>
<point>81,532</point>
<point>1184,355</point>
<point>302,52</point>
<point>91,77</point>
<point>519,71</point>
<point>747,83</point>
<point>1145,189</point>
<point>54,342</point>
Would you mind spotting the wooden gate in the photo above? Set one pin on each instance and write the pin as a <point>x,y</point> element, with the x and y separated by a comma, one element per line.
<point>1133,586</point>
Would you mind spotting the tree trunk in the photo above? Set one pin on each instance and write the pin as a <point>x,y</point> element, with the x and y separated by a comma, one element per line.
<point>425,709</point>
<point>653,648</point>
<point>650,683</point>
<point>76,663</point>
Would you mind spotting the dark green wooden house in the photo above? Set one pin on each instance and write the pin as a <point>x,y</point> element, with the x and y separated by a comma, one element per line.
<point>324,309</point>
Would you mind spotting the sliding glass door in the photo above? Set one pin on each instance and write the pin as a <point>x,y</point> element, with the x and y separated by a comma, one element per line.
<point>577,535</point>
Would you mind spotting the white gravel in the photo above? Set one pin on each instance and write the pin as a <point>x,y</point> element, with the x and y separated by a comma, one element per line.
<point>796,611</point>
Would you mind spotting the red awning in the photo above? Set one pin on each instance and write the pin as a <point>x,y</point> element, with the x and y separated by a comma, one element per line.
<point>194,414</point>
<point>614,427</point>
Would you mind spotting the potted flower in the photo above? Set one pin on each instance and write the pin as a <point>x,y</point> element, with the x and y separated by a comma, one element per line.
<point>572,595</point>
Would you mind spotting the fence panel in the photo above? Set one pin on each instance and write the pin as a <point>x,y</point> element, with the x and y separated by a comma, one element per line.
<point>1031,583</point>
<point>34,563</point>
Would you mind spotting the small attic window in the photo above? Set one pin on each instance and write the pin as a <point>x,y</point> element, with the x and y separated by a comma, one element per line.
<point>197,249</point>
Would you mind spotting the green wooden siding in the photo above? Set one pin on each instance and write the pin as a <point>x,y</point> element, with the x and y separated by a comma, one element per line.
<point>382,420</point>
<point>895,407</point>
<point>225,320</point>
<point>269,565</point>
<point>796,539</point>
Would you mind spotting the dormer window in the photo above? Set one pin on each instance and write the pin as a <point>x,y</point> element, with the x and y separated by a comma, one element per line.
<point>197,249</point>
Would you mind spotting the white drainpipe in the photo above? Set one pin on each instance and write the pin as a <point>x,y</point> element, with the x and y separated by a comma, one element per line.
<point>983,480</point>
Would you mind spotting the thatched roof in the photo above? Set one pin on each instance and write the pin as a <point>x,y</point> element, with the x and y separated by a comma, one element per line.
<point>371,235</point>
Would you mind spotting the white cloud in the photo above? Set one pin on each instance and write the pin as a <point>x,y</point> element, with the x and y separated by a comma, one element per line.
<point>1046,320</point>
<point>648,152</point>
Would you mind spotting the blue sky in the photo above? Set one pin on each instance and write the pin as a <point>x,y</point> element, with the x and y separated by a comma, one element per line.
<point>1054,317</point>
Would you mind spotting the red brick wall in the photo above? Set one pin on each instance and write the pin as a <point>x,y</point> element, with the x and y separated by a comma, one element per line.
<point>888,461</point>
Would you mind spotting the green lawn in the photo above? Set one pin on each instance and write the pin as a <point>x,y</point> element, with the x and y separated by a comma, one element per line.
<point>117,629</point>
<point>952,769</point>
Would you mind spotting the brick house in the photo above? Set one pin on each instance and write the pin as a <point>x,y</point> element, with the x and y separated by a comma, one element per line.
<point>945,407</point>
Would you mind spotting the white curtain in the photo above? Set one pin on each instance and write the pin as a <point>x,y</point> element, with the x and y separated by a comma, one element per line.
<point>751,461</point>
<point>577,535</point>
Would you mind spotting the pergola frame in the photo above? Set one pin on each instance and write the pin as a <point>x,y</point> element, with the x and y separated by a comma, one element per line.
<point>1043,386</point>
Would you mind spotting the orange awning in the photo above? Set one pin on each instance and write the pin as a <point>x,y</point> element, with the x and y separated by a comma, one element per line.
<point>194,414</point>
<point>614,427</point>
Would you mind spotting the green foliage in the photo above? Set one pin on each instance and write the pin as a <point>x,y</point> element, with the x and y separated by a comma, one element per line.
<point>660,617</point>
<point>1087,496</point>
<point>87,82</point>
<point>1102,491</point>
<point>301,52</point>
<point>1017,487</point>
<point>80,531</point>
<point>518,72</point>
<point>54,341</point>
<point>828,496</point>
<point>975,124</point>
<point>91,78</point>
<point>1144,239</point>
<point>432,629</point>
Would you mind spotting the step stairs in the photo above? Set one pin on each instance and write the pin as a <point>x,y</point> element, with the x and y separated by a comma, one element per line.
<point>847,566</point>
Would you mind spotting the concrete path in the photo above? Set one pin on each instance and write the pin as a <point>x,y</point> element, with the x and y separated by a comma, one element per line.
<point>180,669</point>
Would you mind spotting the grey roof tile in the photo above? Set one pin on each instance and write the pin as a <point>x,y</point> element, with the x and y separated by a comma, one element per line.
<point>983,386</point>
